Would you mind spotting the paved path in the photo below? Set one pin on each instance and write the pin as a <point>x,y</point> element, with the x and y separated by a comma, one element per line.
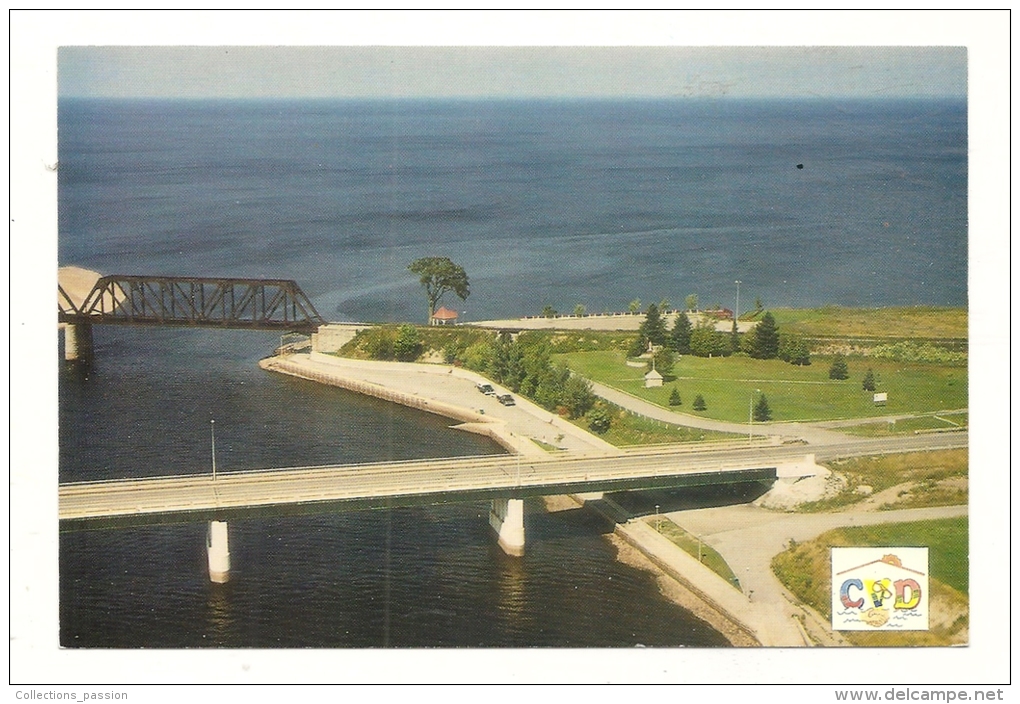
<point>748,537</point>
<point>808,433</point>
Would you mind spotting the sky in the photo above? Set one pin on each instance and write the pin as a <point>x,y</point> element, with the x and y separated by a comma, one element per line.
<point>510,72</point>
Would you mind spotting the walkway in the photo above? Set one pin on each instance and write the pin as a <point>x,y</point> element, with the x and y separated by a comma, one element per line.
<point>748,537</point>
<point>808,433</point>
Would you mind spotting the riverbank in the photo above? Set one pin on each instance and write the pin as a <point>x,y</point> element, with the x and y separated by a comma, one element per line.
<point>450,392</point>
<point>432,388</point>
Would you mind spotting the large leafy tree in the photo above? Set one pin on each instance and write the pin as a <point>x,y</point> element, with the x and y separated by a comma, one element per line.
<point>793,349</point>
<point>439,275</point>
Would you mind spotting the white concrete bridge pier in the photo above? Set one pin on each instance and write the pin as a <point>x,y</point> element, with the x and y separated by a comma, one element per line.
<point>506,516</point>
<point>218,551</point>
<point>78,342</point>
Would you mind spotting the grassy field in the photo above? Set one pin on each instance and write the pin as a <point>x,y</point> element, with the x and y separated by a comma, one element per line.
<point>794,393</point>
<point>936,478</point>
<point>805,570</point>
<point>693,547</point>
<point>920,322</point>
<point>629,429</point>
<point>948,421</point>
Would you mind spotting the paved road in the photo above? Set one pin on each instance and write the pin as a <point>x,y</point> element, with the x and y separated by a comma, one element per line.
<point>457,387</point>
<point>748,537</point>
<point>548,474</point>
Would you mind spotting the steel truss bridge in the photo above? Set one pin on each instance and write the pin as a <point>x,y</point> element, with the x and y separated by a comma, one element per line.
<point>251,304</point>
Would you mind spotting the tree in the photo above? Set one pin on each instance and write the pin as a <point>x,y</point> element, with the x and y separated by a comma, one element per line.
<point>765,339</point>
<point>638,346</point>
<point>635,305</point>
<point>664,305</point>
<point>706,341</point>
<point>549,312</point>
<point>600,419</point>
<point>735,337</point>
<point>869,381</point>
<point>408,345</point>
<point>691,302</point>
<point>839,370</point>
<point>674,398</point>
<point>579,311</point>
<point>653,327</point>
<point>699,403</point>
<point>663,361</point>
<point>793,349</point>
<point>577,396</point>
<point>438,275</point>
<point>680,335</point>
<point>762,412</point>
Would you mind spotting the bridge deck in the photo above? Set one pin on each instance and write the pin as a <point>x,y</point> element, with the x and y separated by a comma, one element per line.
<point>305,489</point>
<point>398,483</point>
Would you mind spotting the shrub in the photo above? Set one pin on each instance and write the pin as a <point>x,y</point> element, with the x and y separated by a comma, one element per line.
<point>600,419</point>
<point>407,346</point>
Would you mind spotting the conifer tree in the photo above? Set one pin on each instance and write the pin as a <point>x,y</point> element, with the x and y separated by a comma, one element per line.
<point>765,339</point>
<point>869,381</point>
<point>839,370</point>
<point>762,412</point>
<point>680,336</point>
<point>699,403</point>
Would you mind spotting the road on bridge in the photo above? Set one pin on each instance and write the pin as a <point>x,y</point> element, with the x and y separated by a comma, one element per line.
<point>446,480</point>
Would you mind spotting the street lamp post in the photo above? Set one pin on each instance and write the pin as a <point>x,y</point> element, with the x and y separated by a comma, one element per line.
<point>750,414</point>
<point>212,432</point>
<point>736,313</point>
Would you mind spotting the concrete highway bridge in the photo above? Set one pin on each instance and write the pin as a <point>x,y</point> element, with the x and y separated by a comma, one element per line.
<point>503,479</point>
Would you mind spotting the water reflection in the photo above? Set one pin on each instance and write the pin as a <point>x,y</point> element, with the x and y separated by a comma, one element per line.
<point>219,615</point>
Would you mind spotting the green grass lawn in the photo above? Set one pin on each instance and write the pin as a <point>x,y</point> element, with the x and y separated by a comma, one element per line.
<point>909,425</point>
<point>728,385</point>
<point>805,570</point>
<point>628,429</point>
<point>694,547</point>
<point>918,322</point>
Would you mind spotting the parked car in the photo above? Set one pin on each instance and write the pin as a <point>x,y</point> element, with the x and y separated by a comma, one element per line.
<point>506,400</point>
<point>486,389</point>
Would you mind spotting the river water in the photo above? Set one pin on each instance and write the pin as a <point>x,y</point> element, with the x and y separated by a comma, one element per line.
<point>542,203</point>
<point>410,577</point>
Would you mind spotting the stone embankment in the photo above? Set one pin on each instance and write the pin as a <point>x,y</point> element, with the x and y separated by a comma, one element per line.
<point>446,391</point>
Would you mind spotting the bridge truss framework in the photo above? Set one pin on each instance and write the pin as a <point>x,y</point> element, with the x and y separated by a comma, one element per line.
<point>253,304</point>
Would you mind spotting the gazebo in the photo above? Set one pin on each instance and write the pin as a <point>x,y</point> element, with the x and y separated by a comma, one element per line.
<point>443,316</point>
<point>653,379</point>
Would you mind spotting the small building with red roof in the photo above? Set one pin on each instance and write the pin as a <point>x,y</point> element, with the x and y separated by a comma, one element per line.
<point>444,316</point>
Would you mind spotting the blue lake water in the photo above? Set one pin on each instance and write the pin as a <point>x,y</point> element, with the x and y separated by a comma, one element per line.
<point>558,203</point>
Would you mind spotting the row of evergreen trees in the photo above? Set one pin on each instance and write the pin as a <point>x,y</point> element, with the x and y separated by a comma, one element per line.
<point>763,342</point>
<point>527,369</point>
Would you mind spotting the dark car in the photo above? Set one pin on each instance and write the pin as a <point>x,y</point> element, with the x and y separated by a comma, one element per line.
<point>506,400</point>
<point>486,389</point>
